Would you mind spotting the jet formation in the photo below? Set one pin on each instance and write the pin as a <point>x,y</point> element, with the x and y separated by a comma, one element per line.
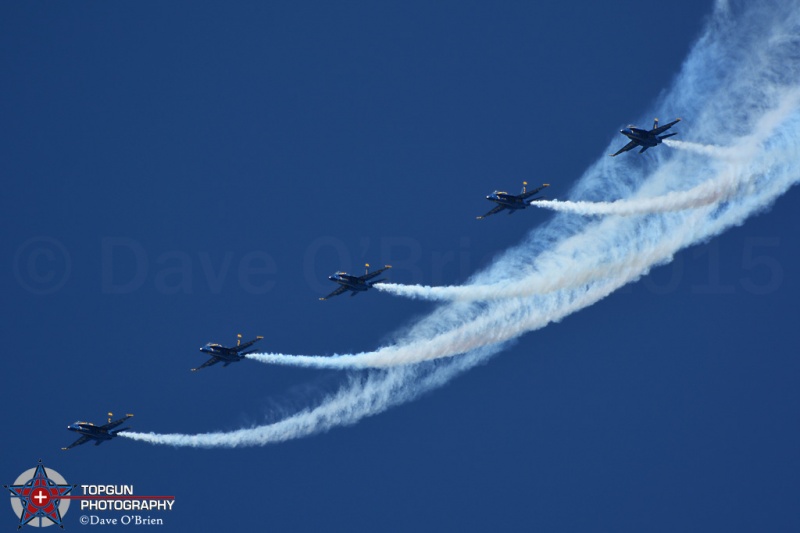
<point>99,434</point>
<point>356,284</point>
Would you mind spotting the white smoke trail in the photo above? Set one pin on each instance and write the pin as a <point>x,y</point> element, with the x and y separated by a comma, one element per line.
<point>739,165</point>
<point>711,150</point>
<point>728,179</point>
<point>362,396</point>
<point>738,80</point>
<point>731,177</point>
<point>707,193</point>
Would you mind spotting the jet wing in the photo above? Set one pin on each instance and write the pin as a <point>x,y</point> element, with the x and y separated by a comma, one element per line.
<point>630,146</point>
<point>371,275</point>
<point>337,292</point>
<point>212,361</point>
<point>115,423</point>
<point>247,344</point>
<point>83,440</point>
<point>665,127</point>
<point>531,193</point>
<point>496,210</point>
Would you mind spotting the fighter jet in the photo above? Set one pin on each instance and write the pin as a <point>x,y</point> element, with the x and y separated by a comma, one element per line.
<point>226,355</point>
<point>355,283</point>
<point>645,138</point>
<point>98,434</point>
<point>513,202</point>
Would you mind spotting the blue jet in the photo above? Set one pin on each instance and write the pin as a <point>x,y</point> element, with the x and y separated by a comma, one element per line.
<point>226,355</point>
<point>513,202</point>
<point>355,283</point>
<point>645,138</point>
<point>99,434</point>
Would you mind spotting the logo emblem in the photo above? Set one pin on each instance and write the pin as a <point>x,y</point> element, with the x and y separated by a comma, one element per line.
<point>36,497</point>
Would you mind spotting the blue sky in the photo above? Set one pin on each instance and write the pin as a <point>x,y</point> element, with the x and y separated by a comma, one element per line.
<point>179,173</point>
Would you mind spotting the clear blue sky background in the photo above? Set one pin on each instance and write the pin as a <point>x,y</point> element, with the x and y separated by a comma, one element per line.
<point>302,138</point>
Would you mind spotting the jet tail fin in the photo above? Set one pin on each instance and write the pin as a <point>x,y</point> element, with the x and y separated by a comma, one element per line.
<point>655,123</point>
<point>662,137</point>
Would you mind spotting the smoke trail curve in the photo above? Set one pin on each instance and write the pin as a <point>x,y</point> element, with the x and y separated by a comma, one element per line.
<point>743,66</point>
<point>650,246</point>
<point>731,178</point>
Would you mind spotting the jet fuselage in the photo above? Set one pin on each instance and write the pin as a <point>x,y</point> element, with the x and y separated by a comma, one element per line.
<point>351,282</point>
<point>221,352</point>
<point>509,201</point>
<point>93,432</point>
<point>90,430</point>
<point>642,137</point>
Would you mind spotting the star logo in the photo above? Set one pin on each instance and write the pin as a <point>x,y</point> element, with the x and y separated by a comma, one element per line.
<point>38,493</point>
